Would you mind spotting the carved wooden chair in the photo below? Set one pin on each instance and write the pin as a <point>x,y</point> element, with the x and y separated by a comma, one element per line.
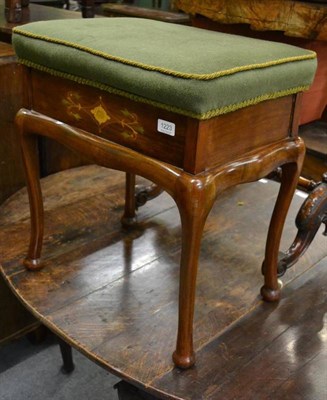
<point>194,111</point>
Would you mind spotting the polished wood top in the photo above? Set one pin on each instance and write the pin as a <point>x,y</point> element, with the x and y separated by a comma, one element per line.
<point>6,50</point>
<point>32,13</point>
<point>127,10</point>
<point>294,18</point>
<point>112,293</point>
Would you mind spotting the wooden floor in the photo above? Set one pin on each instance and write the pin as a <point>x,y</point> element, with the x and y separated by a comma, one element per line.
<point>112,293</point>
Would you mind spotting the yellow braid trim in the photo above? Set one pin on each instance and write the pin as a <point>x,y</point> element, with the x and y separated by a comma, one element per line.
<point>207,115</point>
<point>166,71</point>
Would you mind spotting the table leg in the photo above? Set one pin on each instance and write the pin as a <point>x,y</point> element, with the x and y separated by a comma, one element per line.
<point>194,201</point>
<point>87,7</point>
<point>67,357</point>
<point>29,147</point>
<point>270,291</point>
<point>129,217</point>
<point>126,391</point>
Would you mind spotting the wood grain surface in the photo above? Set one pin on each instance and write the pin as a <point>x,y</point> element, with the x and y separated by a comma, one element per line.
<point>113,293</point>
<point>294,18</point>
<point>11,100</point>
<point>32,13</point>
<point>315,138</point>
<point>16,320</point>
<point>127,10</point>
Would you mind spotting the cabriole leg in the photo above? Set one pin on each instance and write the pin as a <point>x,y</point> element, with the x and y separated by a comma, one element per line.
<point>290,175</point>
<point>29,147</point>
<point>193,212</point>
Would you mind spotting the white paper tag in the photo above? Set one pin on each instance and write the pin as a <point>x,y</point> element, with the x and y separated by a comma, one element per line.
<point>166,127</point>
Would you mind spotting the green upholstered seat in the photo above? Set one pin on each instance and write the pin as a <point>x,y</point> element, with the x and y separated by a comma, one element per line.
<point>190,71</point>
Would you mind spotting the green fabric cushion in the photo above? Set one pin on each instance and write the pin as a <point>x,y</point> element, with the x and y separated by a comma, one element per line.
<point>188,70</point>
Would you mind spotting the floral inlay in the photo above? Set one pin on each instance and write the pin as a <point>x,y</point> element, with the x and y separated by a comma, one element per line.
<point>126,121</point>
<point>100,114</point>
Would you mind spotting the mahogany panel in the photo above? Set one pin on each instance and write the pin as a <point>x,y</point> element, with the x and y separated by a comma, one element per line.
<point>113,117</point>
<point>134,124</point>
<point>11,100</point>
<point>243,130</point>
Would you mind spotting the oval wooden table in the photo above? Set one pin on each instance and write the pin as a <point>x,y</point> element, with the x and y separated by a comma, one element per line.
<point>112,293</point>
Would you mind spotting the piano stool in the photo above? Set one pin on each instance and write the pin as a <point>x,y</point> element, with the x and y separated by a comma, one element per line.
<point>195,112</point>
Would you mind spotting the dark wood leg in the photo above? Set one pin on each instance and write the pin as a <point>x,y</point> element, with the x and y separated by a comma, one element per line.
<point>129,217</point>
<point>194,209</point>
<point>136,196</point>
<point>37,335</point>
<point>87,7</point>
<point>29,147</point>
<point>67,357</point>
<point>13,10</point>
<point>145,193</point>
<point>192,228</point>
<point>311,215</point>
<point>290,176</point>
<point>126,391</point>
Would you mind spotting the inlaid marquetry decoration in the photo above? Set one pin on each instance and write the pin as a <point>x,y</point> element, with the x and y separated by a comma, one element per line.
<point>100,114</point>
